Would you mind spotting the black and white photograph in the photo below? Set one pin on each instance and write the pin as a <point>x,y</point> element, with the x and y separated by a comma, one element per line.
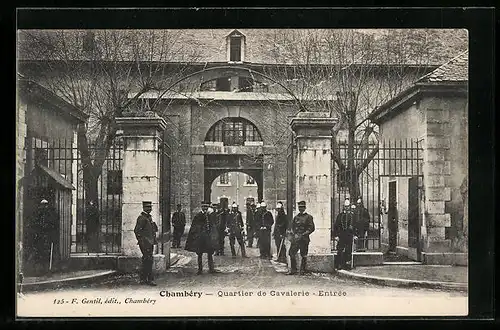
<point>242,172</point>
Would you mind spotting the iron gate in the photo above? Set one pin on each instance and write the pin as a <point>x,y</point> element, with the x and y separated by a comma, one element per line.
<point>54,171</point>
<point>364,171</point>
<point>165,158</point>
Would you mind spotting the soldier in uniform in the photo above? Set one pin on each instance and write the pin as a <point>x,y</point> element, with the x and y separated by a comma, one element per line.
<point>145,232</point>
<point>44,233</point>
<point>301,227</point>
<point>362,222</point>
<point>250,223</point>
<point>265,221</point>
<point>235,230</point>
<point>222,216</point>
<point>344,231</point>
<point>203,237</point>
<point>280,232</point>
<point>179,223</point>
<point>257,218</point>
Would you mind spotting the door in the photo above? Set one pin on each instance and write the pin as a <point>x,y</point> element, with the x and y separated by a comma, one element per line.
<point>392,216</point>
<point>413,219</point>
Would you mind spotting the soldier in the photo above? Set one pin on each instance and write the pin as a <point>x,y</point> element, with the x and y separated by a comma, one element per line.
<point>45,236</point>
<point>344,232</point>
<point>250,223</point>
<point>203,237</point>
<point>265,221</point>
<point>362,222</point>
<point>235,230</point>
<point>301,227</point>
<point>145,232</point>
<point>179,223</point>
<point>222,217</point>
<point>279,233</point>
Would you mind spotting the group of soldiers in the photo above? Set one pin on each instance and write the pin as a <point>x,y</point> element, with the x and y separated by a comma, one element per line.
<point>211,225</point>
<point>350,230</point>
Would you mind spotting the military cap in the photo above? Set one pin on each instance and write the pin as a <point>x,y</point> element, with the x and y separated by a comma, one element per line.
<point>234,205</point>
<point>205,203</point>
<point>44,201</point>
<point>147,203</point>
<point>279,205</point>
<point>301,203</point>
<point>263,204</point>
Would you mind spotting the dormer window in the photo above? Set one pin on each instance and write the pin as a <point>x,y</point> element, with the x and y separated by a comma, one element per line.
<point>235,49</point>
<point>236,42</point>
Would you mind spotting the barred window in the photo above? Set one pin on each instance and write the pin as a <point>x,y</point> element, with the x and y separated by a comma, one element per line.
<point>233,132</point>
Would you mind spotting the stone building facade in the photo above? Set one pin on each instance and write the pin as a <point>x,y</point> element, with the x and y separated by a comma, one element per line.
<point>435,111</point>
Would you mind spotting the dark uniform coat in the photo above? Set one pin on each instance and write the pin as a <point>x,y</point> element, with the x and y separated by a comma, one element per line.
<point>235,223</point>
<point>281,224</point>
<point>203,236</point>
<point>344,226</point>
<point>266,220</point>
<point>302,226</point>
<point>145,229</point>
<point>361,219</point>
<point>44,231</point>
<point>178,219</point>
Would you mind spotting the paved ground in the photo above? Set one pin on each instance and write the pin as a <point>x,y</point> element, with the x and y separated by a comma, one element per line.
<point>455,274</point>
<point>234,291</point>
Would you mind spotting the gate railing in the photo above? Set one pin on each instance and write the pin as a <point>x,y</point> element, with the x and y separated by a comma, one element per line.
<point>359,176</point>
<point>165,157</point>
<point>55,171</point>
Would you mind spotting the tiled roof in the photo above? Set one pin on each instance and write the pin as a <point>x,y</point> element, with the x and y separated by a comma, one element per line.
<point>455,70</point>
<point>266,46</point>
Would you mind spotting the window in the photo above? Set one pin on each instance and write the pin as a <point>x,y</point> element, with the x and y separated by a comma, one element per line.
<point>223,84</point>
<point>235,49</point>
<point>233,132</point>
<point>114,184</point>
<point>249,180</point>
<point>224,178</point>
<point>245,84</point>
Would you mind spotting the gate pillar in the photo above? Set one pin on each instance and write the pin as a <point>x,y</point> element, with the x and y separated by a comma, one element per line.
<point>141,182</point>
<point>313,181</point>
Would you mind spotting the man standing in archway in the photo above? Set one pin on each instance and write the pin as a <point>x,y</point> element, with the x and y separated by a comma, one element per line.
<point>235,230</point>
<point>266,222</point>
<point>179,223</point>
<point>250,223</point>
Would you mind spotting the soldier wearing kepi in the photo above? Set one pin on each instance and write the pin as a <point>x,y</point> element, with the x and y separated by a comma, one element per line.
<point>280,232</point>
<point>203,237</point>
<point>344,231</point>
<point>145,232</point>
<point>265,222</point>
<point>301,227</point>
<point>235,230</point>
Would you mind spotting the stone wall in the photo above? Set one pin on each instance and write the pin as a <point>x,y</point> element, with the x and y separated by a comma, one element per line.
<point>21,131</point>
<point>446,163</point>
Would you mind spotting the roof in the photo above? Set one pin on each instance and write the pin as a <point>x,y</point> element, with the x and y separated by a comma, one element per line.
<point>451,77</point>
<point>262,46</point>
<point>455,70</point>
<point>38,91</point>
<point>57,177</point>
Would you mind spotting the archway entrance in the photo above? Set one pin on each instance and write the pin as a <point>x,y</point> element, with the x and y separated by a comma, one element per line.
<point>217,165</point>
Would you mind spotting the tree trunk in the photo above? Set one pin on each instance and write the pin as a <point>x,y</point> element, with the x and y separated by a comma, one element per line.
<point>92,214</point>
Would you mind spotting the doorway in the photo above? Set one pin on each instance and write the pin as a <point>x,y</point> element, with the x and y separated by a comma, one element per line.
<point>392,217</point>
<point>413,219</point>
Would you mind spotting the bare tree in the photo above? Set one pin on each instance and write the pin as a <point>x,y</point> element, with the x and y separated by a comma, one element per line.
<point>104,73</point>
<point>348,73</point>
